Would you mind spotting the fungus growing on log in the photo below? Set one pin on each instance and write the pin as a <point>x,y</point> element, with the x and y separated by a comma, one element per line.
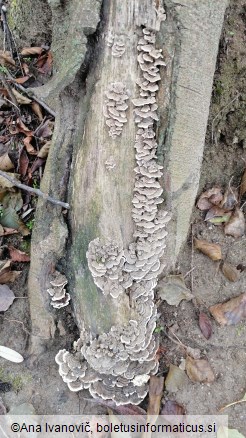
<point>116,365</point>
<point>115,107</point>
<point>59,296</point>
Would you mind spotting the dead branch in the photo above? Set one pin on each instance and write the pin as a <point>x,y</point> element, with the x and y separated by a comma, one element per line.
<point>34,191</point>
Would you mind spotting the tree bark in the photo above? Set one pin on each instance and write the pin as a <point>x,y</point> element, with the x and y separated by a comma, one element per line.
<point>102,172</point>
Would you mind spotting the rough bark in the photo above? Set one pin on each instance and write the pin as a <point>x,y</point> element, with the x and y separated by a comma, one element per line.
<point>101,198</point>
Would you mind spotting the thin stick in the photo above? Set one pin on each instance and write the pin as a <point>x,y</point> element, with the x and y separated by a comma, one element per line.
<point>243,400</point>
<point>192,260</point>
<point>35,191</point>
<point>31,96</point>
<point>10,92</point>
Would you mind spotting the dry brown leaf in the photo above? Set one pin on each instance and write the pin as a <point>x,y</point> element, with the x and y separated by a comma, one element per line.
<point>230,272</point>
<point>44,63</point>
<point>199,370</point>
<point>205,325</point>
<point>172,289</point>
<point>4,231</point>
<point>6,275</point>
<point>6,163</point>
<point>243,184</point>
<point>231,312</point>
<point>230,199</point>
<point>171,407</point>
<point>27,51</point>
<point>22,100</point>
<point>22,80</point>
<point>236,225</point>
<point>212,250</point>
<point>29,147</point>
<point>45,130</point>
<point>175,379</point>
<point>5,183</point>
<point>37,110</point>
<point>6,58</point>
<point>211,197</point>
<point>18,256</point>
<point>23,162</point>
<point>155,394</point>
<point>44,151</point>
<point>6,297</point>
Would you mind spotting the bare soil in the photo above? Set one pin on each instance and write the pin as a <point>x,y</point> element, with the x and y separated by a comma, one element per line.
<point>38,382</point>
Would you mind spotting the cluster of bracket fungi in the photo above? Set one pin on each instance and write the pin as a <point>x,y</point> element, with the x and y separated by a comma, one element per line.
<point>116,365</point>
<point>117,44</point>
<point>115,107</point>
<point>59,297</point>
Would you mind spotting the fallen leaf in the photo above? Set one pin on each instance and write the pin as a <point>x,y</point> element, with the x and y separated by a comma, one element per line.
<point>199,370</point>
<point>6,163</point>
<point>172,408</point>
<point>3,410</point>
<point>21,99</point>
<point>44,151</point>
<point>155,394</point>
<point>231,312</point>
<point>193,352</point>
<point>175,379</point>
<point>6,275</point>
<point>45,130</point>
<point>236,225</point>
<point>211,197</point>
<point>18,256</point>
<point>6,58</point>
<point>22,80</point>
<point>37,110</point>
<point>29,147</point>
<point>6,297</point>
<point>11,355</point>
<point>212,250</point>
<point>5,183</point>
<point>23,162</point>
<point>27,51</point>
<point>173,290</point>
<point>205,325</point>
<point>7,231</point>
<point>230,272</point>
<point>224,432</point>
<point>243,184</point>
<point>217,215</point>
<point>44,63</point>
<point>230,199</point>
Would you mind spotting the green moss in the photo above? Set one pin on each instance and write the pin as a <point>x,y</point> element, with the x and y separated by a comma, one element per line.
<point>16,380</point>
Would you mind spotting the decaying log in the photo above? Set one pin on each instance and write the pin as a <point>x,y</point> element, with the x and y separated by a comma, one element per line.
<point>113,258</point>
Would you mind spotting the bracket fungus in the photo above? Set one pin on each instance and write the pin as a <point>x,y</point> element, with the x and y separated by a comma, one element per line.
<point>116,365</point>
<point>59,297</point>
<point>115,107</point>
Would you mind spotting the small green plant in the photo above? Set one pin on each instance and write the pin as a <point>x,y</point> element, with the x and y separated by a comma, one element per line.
<point>159,329</point>
<point>1,210</point>
<point>3,69</point>
<point>30,224</point>
<point>240,329</point>
<point>35,183</point>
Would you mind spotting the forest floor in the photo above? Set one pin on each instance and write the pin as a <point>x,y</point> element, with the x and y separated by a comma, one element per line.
<point>40,385</point>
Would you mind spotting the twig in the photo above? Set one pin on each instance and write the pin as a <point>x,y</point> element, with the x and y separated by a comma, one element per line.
<point>243,400</point>
<point>35,191</point>
<point>31,95</point>
<point>192,261</point>
<point>10,92</point>
<point>189,272</point>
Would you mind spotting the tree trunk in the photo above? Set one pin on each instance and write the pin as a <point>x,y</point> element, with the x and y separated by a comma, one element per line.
<point>116,351</point>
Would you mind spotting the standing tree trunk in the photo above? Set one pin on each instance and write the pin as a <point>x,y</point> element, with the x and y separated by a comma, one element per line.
<point>121,116</point>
